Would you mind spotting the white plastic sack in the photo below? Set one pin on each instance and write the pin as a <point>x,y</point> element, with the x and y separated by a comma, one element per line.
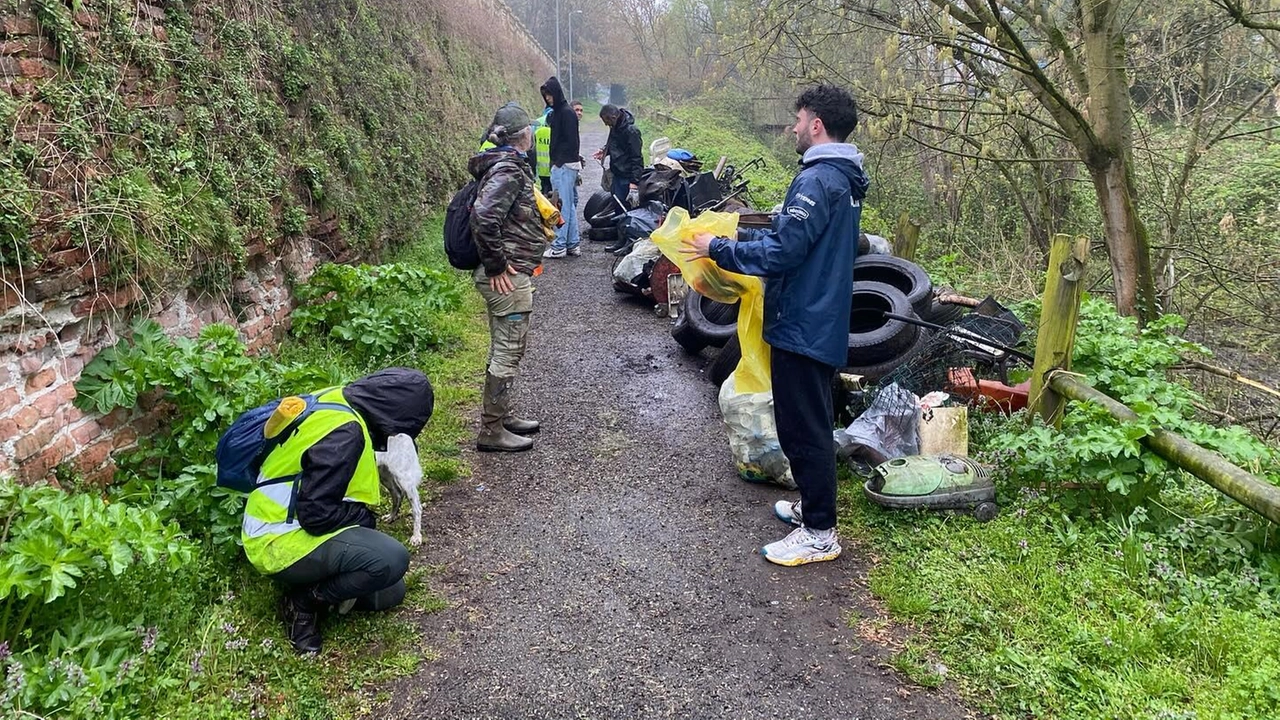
<point>753,436</point>
<point>632,266</point>
<point>879,245</point>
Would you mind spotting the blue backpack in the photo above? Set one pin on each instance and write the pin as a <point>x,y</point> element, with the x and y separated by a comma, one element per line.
<point>245,445</point>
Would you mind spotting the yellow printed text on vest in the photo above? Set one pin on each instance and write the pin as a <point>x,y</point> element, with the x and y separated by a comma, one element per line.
<point>542,139</point>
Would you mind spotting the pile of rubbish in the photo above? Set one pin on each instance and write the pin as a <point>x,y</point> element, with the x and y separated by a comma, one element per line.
<point>918,355</point>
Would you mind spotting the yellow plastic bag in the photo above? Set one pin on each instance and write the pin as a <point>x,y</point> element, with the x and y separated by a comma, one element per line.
<point>709,279</point>
<point>551,218</point>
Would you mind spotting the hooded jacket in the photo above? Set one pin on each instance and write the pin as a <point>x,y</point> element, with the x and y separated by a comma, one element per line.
<point>564,126</point>
<point>807,256</point>
<point>391,401</point>
<point>626,156</point>
<point>505,221</point>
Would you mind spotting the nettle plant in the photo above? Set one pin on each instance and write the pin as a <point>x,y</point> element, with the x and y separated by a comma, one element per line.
<point>379,312</point>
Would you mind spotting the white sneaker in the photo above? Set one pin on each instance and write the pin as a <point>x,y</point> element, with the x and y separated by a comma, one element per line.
<point>803,546</point>
<point>788,512</point>
<point>554,252</point>
<point>574,251</point>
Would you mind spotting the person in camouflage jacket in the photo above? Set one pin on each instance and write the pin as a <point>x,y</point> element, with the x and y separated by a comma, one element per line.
<point>505,221</point>
<point>508,231</point>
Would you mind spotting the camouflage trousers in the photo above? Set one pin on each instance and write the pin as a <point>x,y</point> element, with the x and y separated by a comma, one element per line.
<point>508,322</point>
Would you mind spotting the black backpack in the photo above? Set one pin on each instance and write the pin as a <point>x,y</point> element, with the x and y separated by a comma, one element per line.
<point>459,246</point>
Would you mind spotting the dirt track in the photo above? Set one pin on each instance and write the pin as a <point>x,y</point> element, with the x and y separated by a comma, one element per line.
<point>612,572</point>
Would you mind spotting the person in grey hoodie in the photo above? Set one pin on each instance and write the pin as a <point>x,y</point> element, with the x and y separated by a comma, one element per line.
<point>807,257</point>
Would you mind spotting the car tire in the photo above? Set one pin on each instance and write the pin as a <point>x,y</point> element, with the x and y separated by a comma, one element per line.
<point>904,275</point>
<point>684,334</point>
<point>873,373</point>
<point>725,362</point>
<point>604,234</point>
<point>607,217</point>
<point>715,322</point>
<point>598,201</point>
<point>943,313</point>
<point>874,338</point>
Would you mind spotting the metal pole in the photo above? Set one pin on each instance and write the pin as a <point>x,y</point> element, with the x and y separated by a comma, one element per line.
<point>571,12</point>
<point>557,38</point>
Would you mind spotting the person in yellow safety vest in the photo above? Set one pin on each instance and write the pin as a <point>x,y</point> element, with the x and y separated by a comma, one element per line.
<point>542,143</point>
<point>309,525</point>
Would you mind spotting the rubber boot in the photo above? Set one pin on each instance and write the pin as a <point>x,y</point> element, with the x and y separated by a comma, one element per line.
<point>300,612</point>
<point>521,426</point>
<point>494,437</point>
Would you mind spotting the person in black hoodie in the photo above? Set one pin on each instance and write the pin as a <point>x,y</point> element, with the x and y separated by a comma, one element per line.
<point>566,164</point>
<point>626,158</point>
<point>324,530</point>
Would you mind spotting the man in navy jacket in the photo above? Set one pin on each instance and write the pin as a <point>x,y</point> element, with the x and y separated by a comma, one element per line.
<point>807,259</point>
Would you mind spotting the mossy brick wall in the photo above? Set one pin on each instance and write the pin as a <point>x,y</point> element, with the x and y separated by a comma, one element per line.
<point>193,161</point>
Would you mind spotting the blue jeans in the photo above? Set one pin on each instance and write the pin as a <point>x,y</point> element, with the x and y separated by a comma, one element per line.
<point>564,180</point>
<point>621,188</point>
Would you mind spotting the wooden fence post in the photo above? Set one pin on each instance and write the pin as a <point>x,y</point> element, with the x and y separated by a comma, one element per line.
<point>906,237</point>
<point>1059,311</point>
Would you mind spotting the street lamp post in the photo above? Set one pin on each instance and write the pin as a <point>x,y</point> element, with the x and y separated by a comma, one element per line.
<point>571,14</point>
<point>558,37</point>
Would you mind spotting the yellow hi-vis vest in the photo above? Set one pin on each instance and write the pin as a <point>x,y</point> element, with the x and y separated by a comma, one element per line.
<point>542,140</point>
<point>273,539</point>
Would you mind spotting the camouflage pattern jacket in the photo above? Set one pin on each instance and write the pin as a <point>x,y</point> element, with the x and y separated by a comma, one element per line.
<point>505,221</point>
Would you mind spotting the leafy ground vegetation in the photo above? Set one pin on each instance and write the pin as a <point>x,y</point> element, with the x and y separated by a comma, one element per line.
<point>1112,585</point>
<point>134,600</point>
<point>169,152</point>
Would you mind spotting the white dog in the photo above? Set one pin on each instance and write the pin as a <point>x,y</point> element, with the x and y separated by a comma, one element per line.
<point>400,474</point>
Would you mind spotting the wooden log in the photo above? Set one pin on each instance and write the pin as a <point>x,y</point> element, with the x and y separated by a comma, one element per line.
<point>954,299</point>
<point>719,167</point>
<point>1240,485</point>
<point>906,238</point>
<point>1059,312</point>
<point>1230,375</point>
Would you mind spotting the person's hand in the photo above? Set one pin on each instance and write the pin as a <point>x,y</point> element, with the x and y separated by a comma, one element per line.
<point>502,284</point>
<point>599,154</point>
<point>634,186</point>
<point>698,247</point>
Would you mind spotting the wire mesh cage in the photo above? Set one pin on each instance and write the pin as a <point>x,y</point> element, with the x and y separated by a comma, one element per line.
<point>977,346</point>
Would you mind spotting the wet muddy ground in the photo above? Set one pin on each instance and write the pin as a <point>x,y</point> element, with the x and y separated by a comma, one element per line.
<point>612,572</point>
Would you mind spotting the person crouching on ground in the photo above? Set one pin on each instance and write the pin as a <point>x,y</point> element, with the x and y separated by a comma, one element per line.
<point>808,259</point>
<point>507,228</point>
<point>312,531</point>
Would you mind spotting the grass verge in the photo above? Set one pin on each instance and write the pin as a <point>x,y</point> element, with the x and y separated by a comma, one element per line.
<point>1038,615</point>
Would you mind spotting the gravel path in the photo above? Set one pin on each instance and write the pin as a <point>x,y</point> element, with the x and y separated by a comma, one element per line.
<point>611,572</point>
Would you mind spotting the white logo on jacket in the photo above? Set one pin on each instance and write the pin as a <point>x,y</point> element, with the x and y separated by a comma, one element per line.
<point>806,198</point>
<point>798,212</point>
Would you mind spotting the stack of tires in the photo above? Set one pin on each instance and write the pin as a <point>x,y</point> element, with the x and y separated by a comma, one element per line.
<point>877,345</point>
<point>885,284</point>
<point>601,212</point>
